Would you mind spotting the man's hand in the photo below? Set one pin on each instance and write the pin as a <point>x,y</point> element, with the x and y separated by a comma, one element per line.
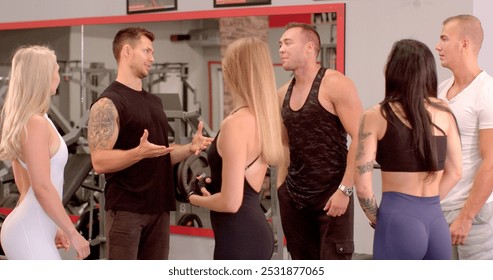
<point>337,204</point>
<point>199,141</point>
<point>150,150</point>
<point>459,230</point>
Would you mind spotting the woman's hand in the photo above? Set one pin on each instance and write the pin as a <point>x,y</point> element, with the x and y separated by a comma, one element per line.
<point>61,240</point>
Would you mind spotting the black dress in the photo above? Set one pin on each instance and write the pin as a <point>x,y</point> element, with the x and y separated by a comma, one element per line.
<point>246,234</point>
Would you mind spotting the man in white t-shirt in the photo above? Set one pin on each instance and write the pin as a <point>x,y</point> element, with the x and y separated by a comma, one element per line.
<point>468,207</point>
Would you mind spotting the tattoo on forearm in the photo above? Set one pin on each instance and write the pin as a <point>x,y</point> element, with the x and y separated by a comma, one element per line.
<point>365,167</point>
<point>101,124</point>
<point>369,206</point>
<point>362,135</point>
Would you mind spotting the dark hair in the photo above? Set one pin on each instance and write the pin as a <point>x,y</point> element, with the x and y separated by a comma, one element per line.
<point>410,80</point>
<point>310,32</point>
<point>129,35</point>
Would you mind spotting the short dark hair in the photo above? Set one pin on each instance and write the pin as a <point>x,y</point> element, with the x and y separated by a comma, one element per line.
<point>310,32</point>
<point>129,35</point>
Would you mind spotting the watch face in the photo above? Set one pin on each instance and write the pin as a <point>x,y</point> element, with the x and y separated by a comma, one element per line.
<point>349,191</point>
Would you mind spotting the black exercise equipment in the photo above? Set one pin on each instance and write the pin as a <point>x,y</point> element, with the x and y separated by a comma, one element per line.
<point>76,171</point>
<point>187,172</point>
<point>2,218</point>
<point>190,220</point>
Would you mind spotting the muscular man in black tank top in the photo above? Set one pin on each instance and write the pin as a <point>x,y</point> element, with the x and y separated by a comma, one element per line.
<point>319,108</point>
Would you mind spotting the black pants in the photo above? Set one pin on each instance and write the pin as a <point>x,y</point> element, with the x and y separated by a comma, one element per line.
<point>134,236</point>
<point>312,235</point>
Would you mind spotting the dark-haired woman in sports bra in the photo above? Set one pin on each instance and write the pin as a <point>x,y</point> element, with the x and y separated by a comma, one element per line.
<point>414,138</point>
<point>249,141</point>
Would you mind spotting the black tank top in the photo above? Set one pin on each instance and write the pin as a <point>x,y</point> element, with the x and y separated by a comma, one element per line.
<point>317,145</point>
<point>395,152</point>
<point>146,186</point>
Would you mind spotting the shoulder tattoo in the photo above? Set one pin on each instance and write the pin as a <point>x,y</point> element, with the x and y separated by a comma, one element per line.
<point>102,124</point>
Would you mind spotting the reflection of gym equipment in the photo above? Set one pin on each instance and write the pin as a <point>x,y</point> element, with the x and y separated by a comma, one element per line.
<point>96,77</point>
<point>162,71</point>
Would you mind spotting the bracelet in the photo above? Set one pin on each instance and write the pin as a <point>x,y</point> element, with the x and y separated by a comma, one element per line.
<point>189,195</point>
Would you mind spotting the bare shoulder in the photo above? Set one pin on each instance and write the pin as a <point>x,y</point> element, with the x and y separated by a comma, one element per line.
<point>103,111</point>
<point>103,104</point>
<point>239,122</point>
<point>373,114</point>
<point>237,127</point>
<point>443,109</point>
<point>37,128</point>
<point>37,122</point>
<point>338,86</point>
<point>336,78</point>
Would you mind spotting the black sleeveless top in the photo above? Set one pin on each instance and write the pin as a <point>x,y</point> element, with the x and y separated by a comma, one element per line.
<point>395,152</point>
<point>317,145</point>
<point>246,234</point>
<point>146,186</point>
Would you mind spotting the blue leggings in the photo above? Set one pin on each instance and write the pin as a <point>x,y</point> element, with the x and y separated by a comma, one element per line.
<point>411,228</point>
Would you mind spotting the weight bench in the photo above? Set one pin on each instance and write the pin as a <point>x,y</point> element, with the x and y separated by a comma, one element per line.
<point>76,170</point>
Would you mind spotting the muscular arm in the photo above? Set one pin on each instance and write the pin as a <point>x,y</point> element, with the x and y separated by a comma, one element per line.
<point>481,189</point>
<point>103,131</point>
<point>342,93</point>
<point>344,96</point>
<point>364,159</point>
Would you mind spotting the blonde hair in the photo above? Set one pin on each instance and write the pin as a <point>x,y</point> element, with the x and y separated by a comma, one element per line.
<point>470,27</point>
<point>28,94</point>
<point>249,74</point>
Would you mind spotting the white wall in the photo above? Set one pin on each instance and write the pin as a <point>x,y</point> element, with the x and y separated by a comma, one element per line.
<point>28,10</point>
<point>482,9</point>
<point>372,26</point>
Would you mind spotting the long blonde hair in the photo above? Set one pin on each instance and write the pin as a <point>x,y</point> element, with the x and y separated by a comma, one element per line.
<point>249,74</point>
<point>28,94</point>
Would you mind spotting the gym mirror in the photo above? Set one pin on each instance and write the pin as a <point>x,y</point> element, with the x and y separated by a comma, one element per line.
<point>186,75</point>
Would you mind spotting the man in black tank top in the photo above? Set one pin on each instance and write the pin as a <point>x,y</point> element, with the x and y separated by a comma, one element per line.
<point>319,108</point>
<point>128,140</point>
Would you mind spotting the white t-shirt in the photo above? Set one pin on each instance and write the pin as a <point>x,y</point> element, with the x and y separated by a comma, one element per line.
<point>473,108</point>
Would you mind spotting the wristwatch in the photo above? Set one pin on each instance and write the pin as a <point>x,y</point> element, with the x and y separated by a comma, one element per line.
<point>346,190</point>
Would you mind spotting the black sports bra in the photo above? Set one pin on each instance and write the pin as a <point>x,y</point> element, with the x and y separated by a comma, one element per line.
<point>395,152</point>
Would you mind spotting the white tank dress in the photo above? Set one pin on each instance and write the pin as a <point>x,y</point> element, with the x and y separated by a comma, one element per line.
<point>27,232</point>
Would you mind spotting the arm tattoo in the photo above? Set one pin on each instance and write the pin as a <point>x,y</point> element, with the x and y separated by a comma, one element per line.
<point>369,206</point>
<point>101,124</point>
<point>362,137</point>
<point>365,167</point>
